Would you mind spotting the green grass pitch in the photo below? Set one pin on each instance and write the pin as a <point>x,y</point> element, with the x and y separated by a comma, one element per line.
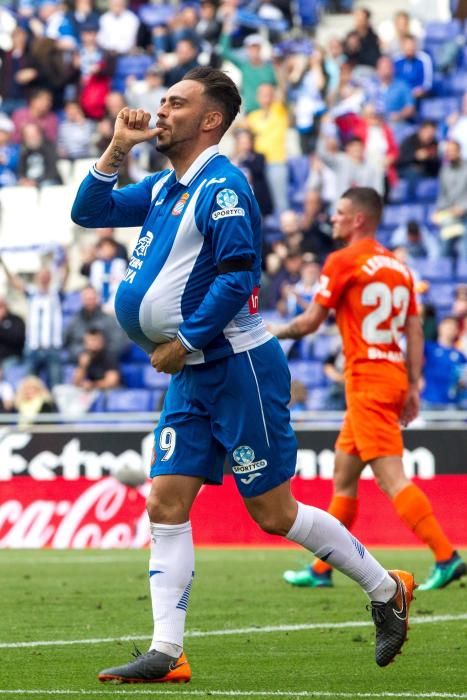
<point>103,595</point>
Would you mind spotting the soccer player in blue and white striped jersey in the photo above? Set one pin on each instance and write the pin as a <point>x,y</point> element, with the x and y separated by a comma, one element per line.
<point>189,298</point>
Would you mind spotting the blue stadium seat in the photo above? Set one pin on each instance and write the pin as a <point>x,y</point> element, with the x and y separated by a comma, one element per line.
<point>316,400</point>
<point>458,82</point>
<point>153,379</point>
<point>441,294</point>
<point>442,31</point>
<point>71,303</point>
<point>310,373</point>
<point>132,64</point>
<point>135,400</point>
<point>399,192</point>
<point>384,235</point>
<point>461,271</point>
<point>14,374</point>
<point>439,270</point>
<point>68,372</point>
<point>401,213</point>
<point>299,169</point>
<point>438,108</point>
<point>325,345</point>
<point>98,405</point>
<point>427,189</point>
<point>132,374</point>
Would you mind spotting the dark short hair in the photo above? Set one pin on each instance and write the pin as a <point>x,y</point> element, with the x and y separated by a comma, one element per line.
<point>366,198</point>
<point>219,88</point>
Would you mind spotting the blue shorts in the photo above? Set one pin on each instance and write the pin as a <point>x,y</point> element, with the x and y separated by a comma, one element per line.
<point>234,410</point>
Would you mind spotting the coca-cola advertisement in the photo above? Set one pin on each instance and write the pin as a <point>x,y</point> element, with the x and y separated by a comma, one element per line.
<point>64,489</point>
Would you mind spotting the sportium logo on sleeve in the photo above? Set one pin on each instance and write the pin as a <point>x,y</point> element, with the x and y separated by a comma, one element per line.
<point>227,200</point>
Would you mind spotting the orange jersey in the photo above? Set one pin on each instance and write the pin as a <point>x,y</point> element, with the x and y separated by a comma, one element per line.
<point>373,294</point>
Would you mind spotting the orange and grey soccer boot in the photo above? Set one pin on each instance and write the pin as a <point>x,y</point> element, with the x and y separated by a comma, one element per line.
<point>391,619</point>
<point>151,667</point>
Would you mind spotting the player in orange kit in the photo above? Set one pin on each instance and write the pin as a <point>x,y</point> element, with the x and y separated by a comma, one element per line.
<point>373,297</point>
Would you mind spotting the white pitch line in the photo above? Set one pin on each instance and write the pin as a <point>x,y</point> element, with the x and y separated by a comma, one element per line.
<point>233,693</point>
<point>422,620</point>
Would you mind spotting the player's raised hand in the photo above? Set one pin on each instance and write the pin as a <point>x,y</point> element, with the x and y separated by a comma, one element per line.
<point>132,127</point>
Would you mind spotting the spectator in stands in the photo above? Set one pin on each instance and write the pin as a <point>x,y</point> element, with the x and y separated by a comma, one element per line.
<point>316,226</point>
<point>74,133</point>
<point>298,397</point>
<point>253,164</point>
<point>392,32</point>
<point>16,69</point>
<point>444,368</point>
<point>457,130</point>
<point>12,335</point>
<point>415,68</point>
<point>91,316</point>
<point>208,31</point>
<point>451,205</point>
<point>106,233</point>
<point>38,111</point>
<point>350,166</point>
<point>418,156</point>
<point>283,268</point>
<point>96,368</point>
<point>38,159</point>
<point>56,24</point>
<point>186,54</point>
<point>335,58</point>
<point>381,149</point>
<point>254,70</point>
<point>118,28</point>
<point>269,125</point>
<point>32,399</point>
<point>417,240</point>
<point>82,14</point>
<point>394,96</point>
<point>9,153</point>
<point>310,99</point>
<point>147,93</point>
<point>44,322</point>
<point>368,43</point>
<point>106,272</point>
<point>96,67</point>
<point>295,298</point>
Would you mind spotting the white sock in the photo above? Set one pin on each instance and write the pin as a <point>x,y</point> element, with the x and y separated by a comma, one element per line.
<point>328,539</point>
<point>171,571</point>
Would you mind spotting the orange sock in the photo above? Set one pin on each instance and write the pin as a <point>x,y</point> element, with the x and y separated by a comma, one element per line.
<point>344,509</point>
<point>415,510</point>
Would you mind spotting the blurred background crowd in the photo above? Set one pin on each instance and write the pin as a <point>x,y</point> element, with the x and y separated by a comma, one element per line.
<point>335,93</point>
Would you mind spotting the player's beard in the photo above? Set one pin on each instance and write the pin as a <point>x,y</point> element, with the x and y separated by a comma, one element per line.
<point>176,144</point>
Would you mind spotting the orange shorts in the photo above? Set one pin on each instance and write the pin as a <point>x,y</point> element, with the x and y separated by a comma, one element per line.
<point>371,425</point>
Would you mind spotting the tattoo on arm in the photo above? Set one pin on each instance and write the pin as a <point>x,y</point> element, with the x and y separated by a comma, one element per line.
<point>116,157</point>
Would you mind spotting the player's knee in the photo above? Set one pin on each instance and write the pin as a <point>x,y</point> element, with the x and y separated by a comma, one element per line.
<point>273,523</point>
<point>162,510</point>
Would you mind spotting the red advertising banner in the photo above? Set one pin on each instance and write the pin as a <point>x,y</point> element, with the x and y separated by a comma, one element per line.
<point>103,513</point>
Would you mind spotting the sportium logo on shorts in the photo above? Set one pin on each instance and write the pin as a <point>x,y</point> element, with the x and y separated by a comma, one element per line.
<point>227,200</point>
<point>244,456</point>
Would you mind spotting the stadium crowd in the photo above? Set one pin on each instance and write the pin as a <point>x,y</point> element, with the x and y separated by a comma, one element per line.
<point>382,106</point>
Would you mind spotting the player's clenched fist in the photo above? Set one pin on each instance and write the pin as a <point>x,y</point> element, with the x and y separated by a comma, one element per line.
<point>132,127</point>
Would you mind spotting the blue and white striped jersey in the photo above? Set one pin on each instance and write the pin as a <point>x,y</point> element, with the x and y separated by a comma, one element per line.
<point>195,270</point>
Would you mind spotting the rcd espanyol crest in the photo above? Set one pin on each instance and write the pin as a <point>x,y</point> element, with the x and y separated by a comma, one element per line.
<point>243,455</point>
